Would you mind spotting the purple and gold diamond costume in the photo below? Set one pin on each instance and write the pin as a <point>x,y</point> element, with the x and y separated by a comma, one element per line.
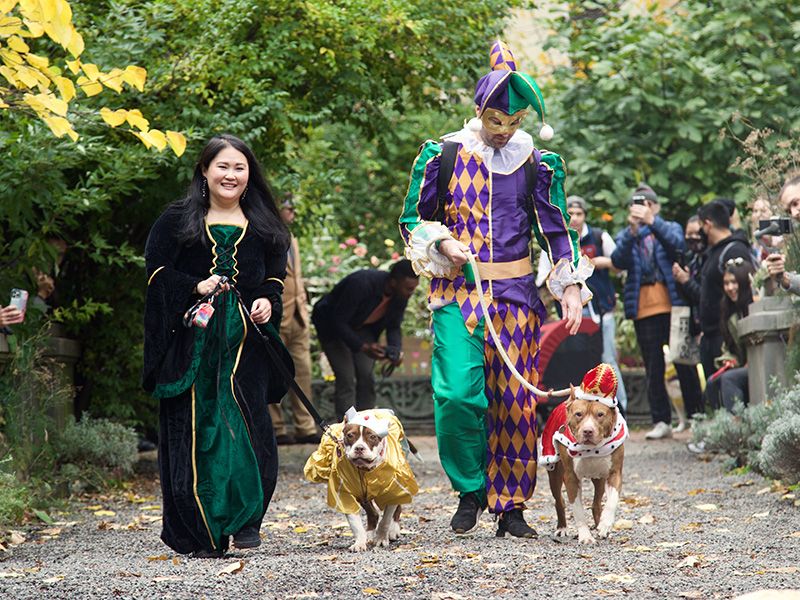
<point>486,209</point>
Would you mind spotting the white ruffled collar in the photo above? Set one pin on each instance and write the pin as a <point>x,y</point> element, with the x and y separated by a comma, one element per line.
<point>502,161</point>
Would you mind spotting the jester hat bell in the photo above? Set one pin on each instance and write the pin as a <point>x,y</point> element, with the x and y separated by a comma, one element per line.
<point>509,90</point>
<point>599,384</point>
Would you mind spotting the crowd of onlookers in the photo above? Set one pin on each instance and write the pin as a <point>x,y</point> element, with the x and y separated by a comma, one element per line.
<point>707,267</point>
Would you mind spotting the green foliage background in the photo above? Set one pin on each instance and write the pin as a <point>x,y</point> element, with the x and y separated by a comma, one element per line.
<point>334,97</point>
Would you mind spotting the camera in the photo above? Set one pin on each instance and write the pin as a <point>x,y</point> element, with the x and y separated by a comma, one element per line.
<point>392,353</point>
<point>776,226</point>
<point>638,200</point>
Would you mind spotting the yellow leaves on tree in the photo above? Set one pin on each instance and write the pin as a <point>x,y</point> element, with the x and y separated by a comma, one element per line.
<point>30,82</point>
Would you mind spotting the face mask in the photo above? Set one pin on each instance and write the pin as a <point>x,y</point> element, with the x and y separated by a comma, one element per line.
<point>696,245</point>
<point>497,122</point>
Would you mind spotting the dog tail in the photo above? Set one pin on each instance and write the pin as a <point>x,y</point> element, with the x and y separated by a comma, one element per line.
<point>412,449</point>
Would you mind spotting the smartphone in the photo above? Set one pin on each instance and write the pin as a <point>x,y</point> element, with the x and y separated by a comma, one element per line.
<point>776,226</point>
<point>19,299</point>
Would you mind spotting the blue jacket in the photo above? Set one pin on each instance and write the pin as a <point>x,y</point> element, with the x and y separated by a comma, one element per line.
<point>668,244</point>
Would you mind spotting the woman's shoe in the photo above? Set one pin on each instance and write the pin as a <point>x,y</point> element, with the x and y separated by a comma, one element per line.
<point>514,524</point>
<point>247,537</point>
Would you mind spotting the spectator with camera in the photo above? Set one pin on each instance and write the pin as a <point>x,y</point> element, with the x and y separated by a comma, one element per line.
<point>647,249</point>
<point>686,272</point>
<point>349,321</point>
<point>723,245</point>
<point>789,200</point>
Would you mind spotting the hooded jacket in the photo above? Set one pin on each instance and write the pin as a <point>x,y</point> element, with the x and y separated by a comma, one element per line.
<point>735,245</point>
<point>391,482</point>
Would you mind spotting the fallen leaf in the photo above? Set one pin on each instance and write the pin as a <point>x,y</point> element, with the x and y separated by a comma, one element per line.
<point>616,578</point>
<point>648,519</point>
<point>150,507</point>
<point>176,561</point>
<point>53,579</point>
<point>104,513</point>
<point>106,526</point>
<point>623,524</point>
<point>230,569</point>
<point>795,534</point>
<point>303,595</point>
<point>638,549</point>
<point>16,538</point>
<point>696,492</point>
<point>739,484</point>
<point>693,560</point>
<point>301,529</point>
<point>446,596</point>
<point>762,515</point>
<point>692,527</point>
<point>763,491</point>
<point>706,507</point>
<point>94,507</point>
<point>51,531</point>
<point>128,574</point>
<point>341,526</point>
<point>671,544</point>
<point>429,559</point>
<point>691,594</point>
<point>168,578</point>
<point>32,569</point>
<point>371,591</point>
<point>157,557</point>
<point>328,557</point>
<point>5,574</point>
<point>602,592</point>
<point>785,570</point>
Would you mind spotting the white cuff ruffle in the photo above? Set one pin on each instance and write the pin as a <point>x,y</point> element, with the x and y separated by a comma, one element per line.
<point>421,251</point>
<point>564,275</point>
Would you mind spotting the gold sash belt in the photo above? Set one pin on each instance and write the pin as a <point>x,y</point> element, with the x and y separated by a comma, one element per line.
<point>505,270</point>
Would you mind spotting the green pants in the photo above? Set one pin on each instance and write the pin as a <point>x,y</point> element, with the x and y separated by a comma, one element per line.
<point>459,399</point>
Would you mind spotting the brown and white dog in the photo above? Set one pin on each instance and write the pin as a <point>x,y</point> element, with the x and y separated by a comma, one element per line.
<point>366,467</point>
<point>583,439</point>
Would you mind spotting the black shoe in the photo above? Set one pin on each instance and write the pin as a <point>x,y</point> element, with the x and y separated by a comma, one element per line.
<point>284,439</point>
<point>247,537</point>
<point>313,438</point>
<point>469,511</point>
<point>514,524</point>
<point>207,554</point>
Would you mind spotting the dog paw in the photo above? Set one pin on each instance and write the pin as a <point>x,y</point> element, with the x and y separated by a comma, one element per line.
<point>561,532</point>
<point>394,531</point>
<point>359,546</point>
<point>603,530</point>
<point>584,537</point>
<point>382,542</point>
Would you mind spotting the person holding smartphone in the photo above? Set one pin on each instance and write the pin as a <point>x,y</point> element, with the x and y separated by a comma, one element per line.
<point>789,199</point>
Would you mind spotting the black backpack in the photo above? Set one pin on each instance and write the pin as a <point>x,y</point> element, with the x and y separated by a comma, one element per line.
<point>447,164</point>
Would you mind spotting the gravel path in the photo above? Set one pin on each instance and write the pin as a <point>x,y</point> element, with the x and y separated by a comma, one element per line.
<point>686,530</point>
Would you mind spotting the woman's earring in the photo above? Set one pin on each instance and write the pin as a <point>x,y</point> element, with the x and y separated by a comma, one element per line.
<point>205,188</point>
<point>244,193</point>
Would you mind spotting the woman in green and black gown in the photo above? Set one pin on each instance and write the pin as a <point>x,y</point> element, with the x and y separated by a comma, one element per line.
<point>217,454</point>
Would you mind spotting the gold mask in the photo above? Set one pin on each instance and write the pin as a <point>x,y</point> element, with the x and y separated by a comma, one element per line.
<point>496,122</point>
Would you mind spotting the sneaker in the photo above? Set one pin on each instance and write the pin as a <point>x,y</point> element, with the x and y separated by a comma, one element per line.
<point>247,537</point>
<point>659,431</point>
<point>469,511</point>
<point>696,447</point>
<point>513,523</point>
<point>681,426</point>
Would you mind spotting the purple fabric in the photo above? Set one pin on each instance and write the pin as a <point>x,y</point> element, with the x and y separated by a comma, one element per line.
<point>487,84</point>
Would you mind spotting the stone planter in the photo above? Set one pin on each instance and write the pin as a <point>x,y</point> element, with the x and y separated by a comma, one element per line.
<point>766,333</point>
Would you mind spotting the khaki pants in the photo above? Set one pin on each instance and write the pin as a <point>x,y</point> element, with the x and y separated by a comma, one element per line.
<point>297,338</point>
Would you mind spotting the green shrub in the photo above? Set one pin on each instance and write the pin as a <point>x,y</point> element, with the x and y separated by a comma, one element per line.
<point>14,498</point>
<point>92,450</point>
<point>779,457</point>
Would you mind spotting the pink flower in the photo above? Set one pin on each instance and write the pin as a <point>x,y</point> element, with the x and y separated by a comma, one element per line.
<point>361,228</point>
<point>360,251</point>
<point>336,259</point>
<point>343,246</point>
<point>374,261</point>
<point>333,269</point>
<point>395,255</point>
<point>351,241</point>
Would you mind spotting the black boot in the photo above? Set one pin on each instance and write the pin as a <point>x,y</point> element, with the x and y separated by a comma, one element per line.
<point>514,524</point>
<point>469,510</point>
<point>247,537</point>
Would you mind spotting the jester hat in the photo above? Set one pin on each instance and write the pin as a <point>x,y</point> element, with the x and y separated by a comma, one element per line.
<point>600,385</point>
<point>508,90</point>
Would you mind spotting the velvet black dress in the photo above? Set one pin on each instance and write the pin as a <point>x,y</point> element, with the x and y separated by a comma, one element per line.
<point>217,453</point>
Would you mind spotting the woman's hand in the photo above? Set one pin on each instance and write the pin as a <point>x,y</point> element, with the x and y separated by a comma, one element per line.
<point>207,286</point>
<point>261,311</point>
<point>10,315</point>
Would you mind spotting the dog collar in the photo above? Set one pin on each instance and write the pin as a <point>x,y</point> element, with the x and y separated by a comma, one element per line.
<point>606,446</point>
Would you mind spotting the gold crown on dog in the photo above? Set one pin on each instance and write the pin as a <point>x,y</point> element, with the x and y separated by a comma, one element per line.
<point>599,384</point>
<point>379,426</point>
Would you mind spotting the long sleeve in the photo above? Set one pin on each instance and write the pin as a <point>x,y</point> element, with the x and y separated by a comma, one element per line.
<point>394,336</point>
<point>622,257</point>
<point>670,235</point>
<point>342,313</point>
<point>271,287</point>
<point>421,202</point>
<point>550,207</point>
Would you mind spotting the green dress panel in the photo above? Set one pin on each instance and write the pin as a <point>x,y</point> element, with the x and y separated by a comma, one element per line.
<point>227,483</point>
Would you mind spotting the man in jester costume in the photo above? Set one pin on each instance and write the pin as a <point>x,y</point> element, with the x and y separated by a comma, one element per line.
<point>487,211</point>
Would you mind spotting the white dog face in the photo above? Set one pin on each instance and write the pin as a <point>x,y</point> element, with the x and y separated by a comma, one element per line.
<point>363,447</point>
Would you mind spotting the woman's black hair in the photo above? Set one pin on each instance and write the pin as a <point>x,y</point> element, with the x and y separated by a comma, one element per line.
<point>741,271</point>
<point>257,203</point>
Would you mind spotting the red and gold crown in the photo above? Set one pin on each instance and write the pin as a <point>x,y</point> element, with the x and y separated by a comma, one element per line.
<point>599,384</point>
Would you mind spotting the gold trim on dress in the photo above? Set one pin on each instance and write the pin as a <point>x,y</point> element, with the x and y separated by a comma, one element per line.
<point>278,279</point>
<point>194,470</point>
<point>154,274</point>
